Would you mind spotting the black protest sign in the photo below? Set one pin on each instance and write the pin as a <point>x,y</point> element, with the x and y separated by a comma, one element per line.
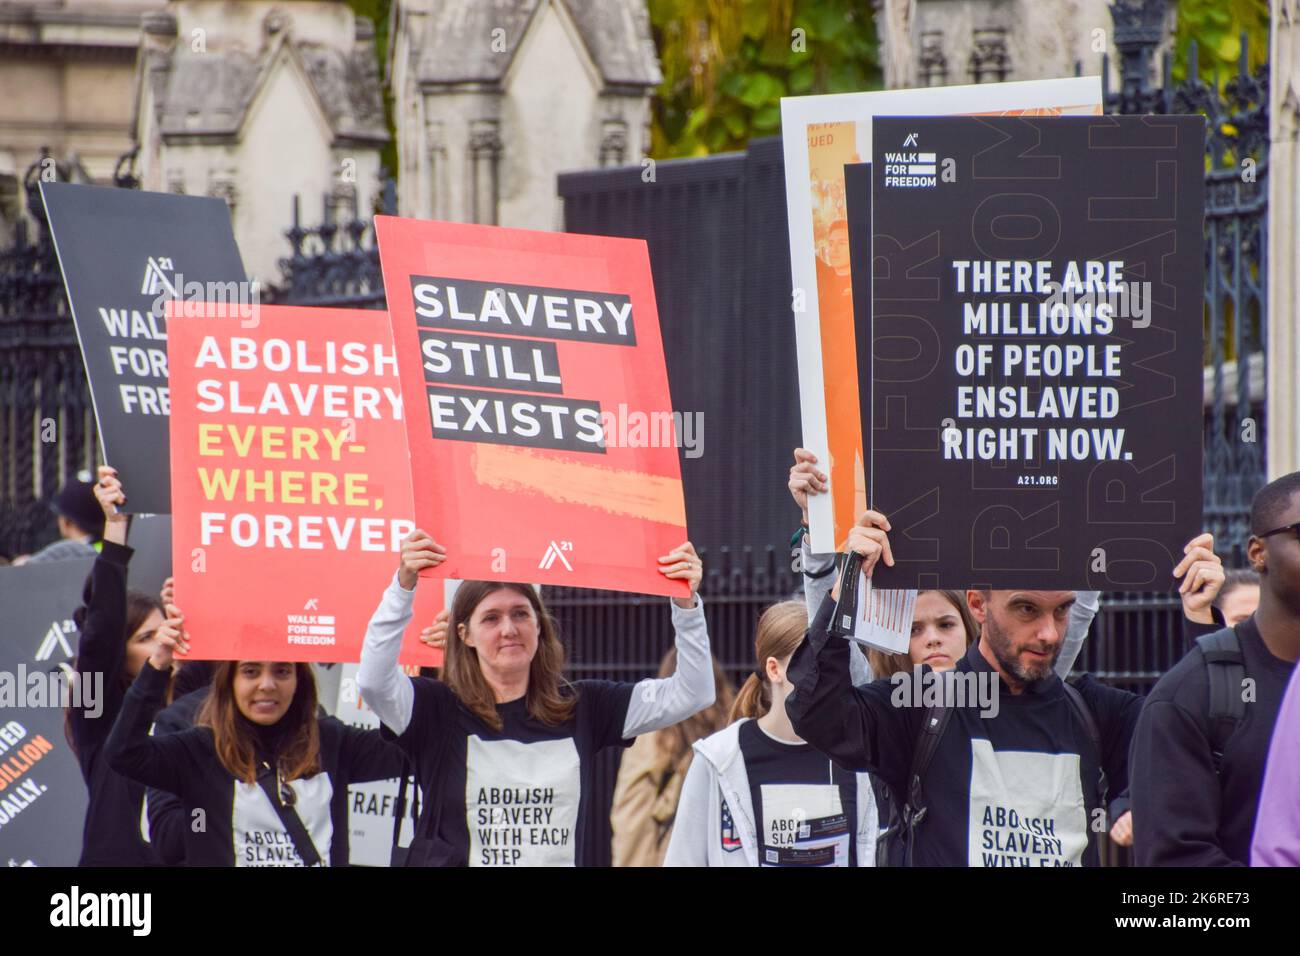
<point>42,794</point>
<point>150,538</point>
<point>124,254</point>
<point>1037,340</point>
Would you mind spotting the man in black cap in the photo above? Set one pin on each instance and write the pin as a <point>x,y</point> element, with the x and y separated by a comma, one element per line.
<point>81,524</point>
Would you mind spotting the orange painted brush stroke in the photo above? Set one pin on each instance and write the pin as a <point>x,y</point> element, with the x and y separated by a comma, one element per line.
<point>632,494</point>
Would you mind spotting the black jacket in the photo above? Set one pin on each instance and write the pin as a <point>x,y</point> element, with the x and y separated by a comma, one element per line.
<point>1184,813</point>
<point>232,823</point>
<point>166,813</point>
<point>1015,788</point>
<point>111,836</point>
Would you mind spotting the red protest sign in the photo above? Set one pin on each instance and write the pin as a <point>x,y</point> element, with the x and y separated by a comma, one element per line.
<point>291,487</point>
<point>541,430</point>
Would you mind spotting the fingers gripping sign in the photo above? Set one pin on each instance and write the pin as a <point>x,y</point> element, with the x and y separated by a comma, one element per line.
<point>806,479</point>
<point>419,551</point>
<point>108,492</point>
<point>435,635</point>
<point>1203,576</point>
<point>683,564</point>
<point>869,539</point>
<point>171,639</point>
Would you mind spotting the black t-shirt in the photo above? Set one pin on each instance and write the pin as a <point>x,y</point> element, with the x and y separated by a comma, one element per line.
<point>521,796</point>
<point>805,808</point>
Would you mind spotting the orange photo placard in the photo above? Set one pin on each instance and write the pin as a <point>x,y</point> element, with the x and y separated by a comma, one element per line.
<point>542,436</point>
<point>291,488</point>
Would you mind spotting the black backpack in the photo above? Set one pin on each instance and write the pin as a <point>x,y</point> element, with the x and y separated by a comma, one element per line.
<point>1227,670</point>
<point>906,815</point>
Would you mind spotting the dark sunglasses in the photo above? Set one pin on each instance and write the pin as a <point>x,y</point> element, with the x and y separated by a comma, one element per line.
<point>1293,528</point>
<point>286,793</point>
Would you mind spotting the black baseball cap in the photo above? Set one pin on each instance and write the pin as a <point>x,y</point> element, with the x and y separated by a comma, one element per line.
<point>76,501</point>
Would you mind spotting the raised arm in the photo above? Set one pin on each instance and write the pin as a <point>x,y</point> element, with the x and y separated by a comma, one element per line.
<point>1082,611</point>
<point>154,761</point>
<point>662,702</point>
<point>818,568</point>
<point>387,691</point>
<point>101,648</point>
<point>857,727</point>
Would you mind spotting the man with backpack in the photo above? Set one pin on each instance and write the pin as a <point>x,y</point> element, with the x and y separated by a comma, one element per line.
<point>1199,751</point>
<point>1026,783</point>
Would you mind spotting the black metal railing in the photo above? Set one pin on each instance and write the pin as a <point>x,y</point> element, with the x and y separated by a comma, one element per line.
<point>47,424</point>
<point>336,263</point>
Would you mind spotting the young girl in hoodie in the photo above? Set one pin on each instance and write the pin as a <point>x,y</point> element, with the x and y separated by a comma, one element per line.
<point>756,794</point>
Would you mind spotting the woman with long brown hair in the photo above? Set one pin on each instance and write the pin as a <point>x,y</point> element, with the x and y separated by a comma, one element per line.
<point>504,747</point>
<point>756,794</point>
<point>267,775</point>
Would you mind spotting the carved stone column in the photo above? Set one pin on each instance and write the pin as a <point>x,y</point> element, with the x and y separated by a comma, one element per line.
<point>436,182</point>
<point>484,171</point>
<point>613,143</point>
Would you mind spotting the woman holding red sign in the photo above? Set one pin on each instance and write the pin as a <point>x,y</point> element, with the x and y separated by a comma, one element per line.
<point>263,771</point>
<point>504,747</point>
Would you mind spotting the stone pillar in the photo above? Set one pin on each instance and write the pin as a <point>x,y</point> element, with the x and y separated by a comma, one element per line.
<point>896,26</point>
<point>437,182</point>
<point>484,157</point>
<point>1283,423</point>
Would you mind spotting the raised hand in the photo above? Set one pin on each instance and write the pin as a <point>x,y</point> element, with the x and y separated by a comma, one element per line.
<point>870,539</point>
<point>435,635</point>
<point>1202,573</point>
<point>169,640</point>
<point>682,563</point>
<point>419,551</point>
<point>805,480</point>
<point>109,494</point>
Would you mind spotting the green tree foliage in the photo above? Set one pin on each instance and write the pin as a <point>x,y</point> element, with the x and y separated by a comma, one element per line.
<point>727,63</point>
<point>377,12</point>
<point>1216,26</point>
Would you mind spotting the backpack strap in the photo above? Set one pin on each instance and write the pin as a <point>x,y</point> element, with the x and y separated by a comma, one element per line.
<point>1084,713</point>
<point>1226,668</point>
<point>934,723</point>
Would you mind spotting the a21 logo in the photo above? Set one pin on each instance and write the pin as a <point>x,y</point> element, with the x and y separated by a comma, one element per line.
<point>556,552</point>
